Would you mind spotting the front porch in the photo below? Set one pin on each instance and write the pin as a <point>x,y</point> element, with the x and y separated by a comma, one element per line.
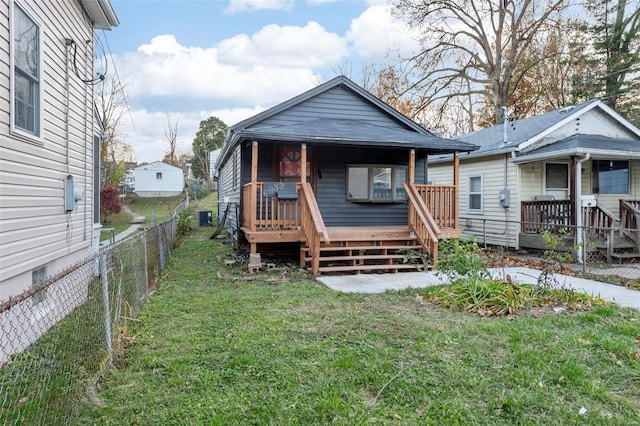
<point>614,236</point>
<point>296,218</point>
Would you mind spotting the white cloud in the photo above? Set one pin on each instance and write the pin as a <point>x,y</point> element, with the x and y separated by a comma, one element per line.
<point>287,46</point>
<point>164,68</point>
<point>238,6</point>
<point>375,32</point>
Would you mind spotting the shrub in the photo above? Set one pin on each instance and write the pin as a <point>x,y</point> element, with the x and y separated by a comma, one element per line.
<point>109,202</point>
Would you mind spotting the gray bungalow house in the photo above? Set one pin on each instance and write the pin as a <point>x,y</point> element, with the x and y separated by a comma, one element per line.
<point>567,169</point>
<point>339,175</point>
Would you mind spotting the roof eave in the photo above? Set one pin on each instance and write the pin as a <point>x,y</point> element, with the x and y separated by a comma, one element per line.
<point>599,153</point>
<point>101,14</point>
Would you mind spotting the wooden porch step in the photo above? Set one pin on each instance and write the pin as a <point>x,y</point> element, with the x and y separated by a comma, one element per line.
<point>358,268</point>
<point>366,247</point>
<point>618,246</point>
<point>621,256</point>
<point>361,257</point>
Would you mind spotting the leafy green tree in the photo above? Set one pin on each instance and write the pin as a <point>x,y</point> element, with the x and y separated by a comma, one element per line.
<point>614,56</point>
<point>209,137</point>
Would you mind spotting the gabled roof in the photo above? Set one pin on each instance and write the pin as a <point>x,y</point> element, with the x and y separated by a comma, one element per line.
<point>338,131</point>
<point>352,132</point>
<point>157,165</point>
<point>598,146</point>
<point>525,133</point>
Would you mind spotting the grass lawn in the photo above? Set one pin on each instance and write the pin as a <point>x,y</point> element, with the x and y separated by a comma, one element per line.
<point>162,207</point>
<point>214,345</point>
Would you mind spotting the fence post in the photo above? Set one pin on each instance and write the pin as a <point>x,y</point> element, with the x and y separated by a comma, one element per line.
<point>484,233</point>
<point>105,302</point>
<point>146,262</point>
<point>160,246</point>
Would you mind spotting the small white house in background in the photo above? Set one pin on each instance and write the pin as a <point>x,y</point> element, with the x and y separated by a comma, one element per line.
<point>159,180</point>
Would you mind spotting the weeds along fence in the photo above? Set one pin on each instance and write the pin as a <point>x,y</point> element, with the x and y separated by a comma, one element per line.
<point>57,340</point>
<point>610,254</point>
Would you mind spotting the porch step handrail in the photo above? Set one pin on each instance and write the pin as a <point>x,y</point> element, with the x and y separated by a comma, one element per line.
<point>630,219</point>
<point>421,222</point>
<point>313,226</point>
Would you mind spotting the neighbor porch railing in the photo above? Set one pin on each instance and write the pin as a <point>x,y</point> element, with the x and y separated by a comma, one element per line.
<point>263,210</point>
<point>540,215</point>
<point>441,202</point>
<point>421,222</point>
<point>630,218</point>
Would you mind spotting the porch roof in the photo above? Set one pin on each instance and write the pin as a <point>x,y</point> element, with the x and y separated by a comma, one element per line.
<point>331,131</point>
<point>579,145</point>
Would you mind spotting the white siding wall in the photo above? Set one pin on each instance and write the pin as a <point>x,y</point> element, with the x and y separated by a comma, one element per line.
<point>489,223</point>
<point>172,182</point>
<point>34,228</point>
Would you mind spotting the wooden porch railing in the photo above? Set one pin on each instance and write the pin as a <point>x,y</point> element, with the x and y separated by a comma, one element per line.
<point>263,210</point>
<point>440,200</point>
<point>540,215</point>
<point>421,222</point>
<point>630,219</point>
<point>312,225</point>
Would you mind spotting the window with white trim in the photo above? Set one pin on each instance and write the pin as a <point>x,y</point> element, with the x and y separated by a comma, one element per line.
<point>376,183</point>
<point>475,193</point>
<point>26,81</point>
<point>158,175</point>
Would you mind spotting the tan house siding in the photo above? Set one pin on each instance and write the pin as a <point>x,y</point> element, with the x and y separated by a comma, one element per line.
<point>35,231</point>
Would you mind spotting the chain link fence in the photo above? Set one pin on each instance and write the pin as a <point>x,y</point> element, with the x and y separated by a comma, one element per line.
<point>58,340</point>
<point>604,254</point>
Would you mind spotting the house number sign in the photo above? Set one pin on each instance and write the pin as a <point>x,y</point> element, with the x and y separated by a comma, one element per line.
<point>271,190</point>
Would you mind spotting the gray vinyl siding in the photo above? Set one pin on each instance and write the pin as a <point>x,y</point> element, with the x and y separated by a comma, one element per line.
<point>34,228</point>
<point>338,102</point>
<point>229,193</point>
<point>331,188</point>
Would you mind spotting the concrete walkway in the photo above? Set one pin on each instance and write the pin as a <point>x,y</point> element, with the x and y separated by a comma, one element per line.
<point>378,283</point>
<point>136,222</point>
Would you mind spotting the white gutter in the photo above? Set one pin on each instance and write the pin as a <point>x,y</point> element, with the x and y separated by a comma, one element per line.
<point>578,207</point>
<point>599,153</point>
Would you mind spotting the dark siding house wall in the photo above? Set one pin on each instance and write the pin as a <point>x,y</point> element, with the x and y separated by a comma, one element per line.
<point>338,102</point>
<point>331,188</point>
<point>229,190</point>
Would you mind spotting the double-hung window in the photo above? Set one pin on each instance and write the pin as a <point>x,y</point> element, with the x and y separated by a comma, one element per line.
<point>376,183</point>
<point>27,72</point>
<point>475,194</point>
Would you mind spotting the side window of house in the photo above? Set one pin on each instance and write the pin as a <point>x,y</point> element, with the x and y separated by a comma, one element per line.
<point>235,169</point>
<point>26,79</point>
<point>610,177</point>
<point>158,175</point>
<point>379,183</point>
<point>475,193</point>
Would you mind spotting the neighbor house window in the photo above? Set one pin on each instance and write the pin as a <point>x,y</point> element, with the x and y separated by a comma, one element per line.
<point>26,73</point>
<point>475,193</point>
<point>158,175</point>
<point>379,183</point>
<point>610,177</point>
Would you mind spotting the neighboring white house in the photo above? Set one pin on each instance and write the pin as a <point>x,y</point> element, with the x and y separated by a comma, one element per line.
<point>49,160</point>
<point>159,180</point>
<point>562,168</point>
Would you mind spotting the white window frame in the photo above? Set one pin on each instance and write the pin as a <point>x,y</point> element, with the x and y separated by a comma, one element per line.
<point>481,193</point>
<point>370,186</point>
<point>548,190</point>
<point>38,134</point>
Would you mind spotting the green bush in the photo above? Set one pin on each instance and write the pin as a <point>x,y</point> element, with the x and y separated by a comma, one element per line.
<point>184,224</point>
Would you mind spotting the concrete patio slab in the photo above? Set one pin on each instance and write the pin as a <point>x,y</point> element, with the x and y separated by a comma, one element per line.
<point>379,283</point>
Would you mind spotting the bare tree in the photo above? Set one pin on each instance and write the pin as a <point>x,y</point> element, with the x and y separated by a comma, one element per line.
<point>111,107</point>
<point>473,49</point>
<point>171,133</point>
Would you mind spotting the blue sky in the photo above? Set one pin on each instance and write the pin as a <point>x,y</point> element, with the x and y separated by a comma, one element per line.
<point>186,60</point>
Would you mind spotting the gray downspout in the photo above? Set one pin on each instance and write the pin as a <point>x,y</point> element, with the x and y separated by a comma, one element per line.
<point>578,207</point>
